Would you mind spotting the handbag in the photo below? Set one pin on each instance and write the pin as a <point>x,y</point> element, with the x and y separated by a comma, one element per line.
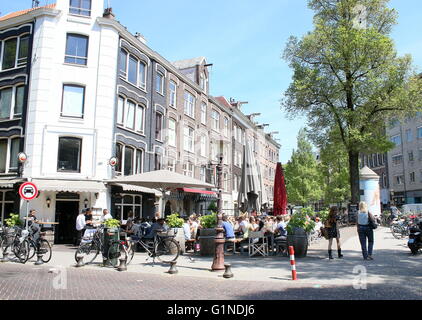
<point>371,223</point>
<point>324,232</point>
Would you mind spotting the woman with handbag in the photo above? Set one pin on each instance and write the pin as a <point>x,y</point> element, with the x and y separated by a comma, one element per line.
<point>332,232</point>
<point>365,226</point>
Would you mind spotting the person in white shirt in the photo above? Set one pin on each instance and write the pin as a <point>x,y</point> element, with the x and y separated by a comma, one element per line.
<point>80,226</point>
<point>186,228</point>
<point>106,215</point>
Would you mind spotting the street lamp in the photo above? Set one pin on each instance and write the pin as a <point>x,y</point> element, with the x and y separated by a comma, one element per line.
<point>218,262</point>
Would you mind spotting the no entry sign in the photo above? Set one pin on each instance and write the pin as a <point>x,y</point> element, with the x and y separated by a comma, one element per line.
<point>28,191</point>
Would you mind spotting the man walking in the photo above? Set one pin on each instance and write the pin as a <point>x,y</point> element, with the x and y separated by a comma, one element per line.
<point>80,226</point>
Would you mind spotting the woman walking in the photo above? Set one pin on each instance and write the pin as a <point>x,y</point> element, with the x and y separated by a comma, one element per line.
<point>333,232</point>
<point>365,231</point>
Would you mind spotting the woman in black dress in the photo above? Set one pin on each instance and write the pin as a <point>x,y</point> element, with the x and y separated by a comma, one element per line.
<point>333,232</point>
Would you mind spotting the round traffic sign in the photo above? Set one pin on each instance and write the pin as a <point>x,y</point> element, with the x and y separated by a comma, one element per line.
<point>28,191</point>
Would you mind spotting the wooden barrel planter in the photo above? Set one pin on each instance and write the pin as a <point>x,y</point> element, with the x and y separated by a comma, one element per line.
<point>206,241</point>
<point>299,240</point>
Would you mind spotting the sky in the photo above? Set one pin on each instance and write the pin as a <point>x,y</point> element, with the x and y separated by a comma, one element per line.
<point>244,40</point>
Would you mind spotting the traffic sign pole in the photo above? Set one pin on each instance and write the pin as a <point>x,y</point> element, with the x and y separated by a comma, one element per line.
<point>27,214</point>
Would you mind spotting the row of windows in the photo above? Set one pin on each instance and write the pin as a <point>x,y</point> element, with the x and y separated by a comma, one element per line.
<point>374,160</point>
<point>409,136</point>
<point>14,52</point>
<point>398,158</point>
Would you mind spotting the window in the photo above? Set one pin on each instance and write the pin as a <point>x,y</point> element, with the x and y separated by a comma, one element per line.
<point>120,110</point>
<point>119,156</point>
<point>203,174</point>
<point>76,49</point>
<point>159,83</point>
<point>132,74</point>
<point>73,101</point>
<point>157,161</point>
<point>203,113</point>
<point>412,177</point>
<point>202,81</point>
<point>172,132</point>
<point>188,139</point>
<point>420,155</point>
<point>203,144</point>
<point>420,133</point>
<point>7,203</point>
<point>9,53</point>
<point>19,97</point>
<point>6,103</point>
<point>9,149</point>
<point>158,126</point>
<point>130,115</point>
<point>69,155</point>
<point>226,126</point>
<point>171,165</point>
<point>142,75</point>
<point>397,140</point>
<point>172,90</point>
<point>123,63</point>
<point>15,52</point>
<point>139,161</point>
<point>225,181</point>
<point>189,104</point>
<point>11,102</point>
<point>397,159</point>
<point>399,179</point>
<point>409,136</point>
<point>80,7</point>
<point>215,116</point>
<point>411,158</point>
<point>23,51</point>
<point>188,169</point>
<point>128,206</point>
<point>140,118</point>
<point>128,162</point>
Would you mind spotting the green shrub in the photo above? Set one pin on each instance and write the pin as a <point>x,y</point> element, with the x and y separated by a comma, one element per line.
<point>299,220</point>
<point>14,220</point>
<point>173,221</point>
<point>212,207</point>
<point>209,221</point>
<point>323,215</point>
<point>112,223</point>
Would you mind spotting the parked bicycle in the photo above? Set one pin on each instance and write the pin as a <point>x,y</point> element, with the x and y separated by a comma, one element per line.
<point>400,229</point>
<point>91,245</point>
<point>19,245</point>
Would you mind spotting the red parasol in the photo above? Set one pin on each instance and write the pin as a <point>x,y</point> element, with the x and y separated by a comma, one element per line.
<point>280,192</point>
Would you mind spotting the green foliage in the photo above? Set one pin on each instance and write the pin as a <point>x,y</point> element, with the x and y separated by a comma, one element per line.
<point>173,221</point>
<point>348,78</point>
<point>112,223</point>
<point>303,179</point>
<point>14,220</point>
<point>308,211</point>
<point>209,221</point>
<point>212,207</point>
<point>299,220</point>
<point>323,214</point>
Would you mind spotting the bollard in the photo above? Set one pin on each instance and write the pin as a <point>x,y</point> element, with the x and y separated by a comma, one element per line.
<point>173,269</point>
<point>39,260</point>
<point>292,262</point>
<point>79,260</point>
<point>228,272</point>
<point>5,256</point>
<point>122,266</point>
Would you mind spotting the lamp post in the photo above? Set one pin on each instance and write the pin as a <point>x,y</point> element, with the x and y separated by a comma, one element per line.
<point>218,262</point>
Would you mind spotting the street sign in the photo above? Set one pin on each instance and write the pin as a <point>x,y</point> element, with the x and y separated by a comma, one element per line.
<point>28,191</point>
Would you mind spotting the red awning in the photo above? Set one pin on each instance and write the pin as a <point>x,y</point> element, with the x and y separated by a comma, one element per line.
<point>196,191</point>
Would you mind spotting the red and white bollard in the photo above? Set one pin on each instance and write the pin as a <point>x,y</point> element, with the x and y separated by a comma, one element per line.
<point>292,262</point>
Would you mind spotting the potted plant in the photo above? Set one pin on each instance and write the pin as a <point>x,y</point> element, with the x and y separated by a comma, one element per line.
<point>175,224</point>
<point>14,220</point>
<point>298,229</point>
<point>207,233</point>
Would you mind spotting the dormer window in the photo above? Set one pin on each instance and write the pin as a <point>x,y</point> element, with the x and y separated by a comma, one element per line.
<point>80,7</point>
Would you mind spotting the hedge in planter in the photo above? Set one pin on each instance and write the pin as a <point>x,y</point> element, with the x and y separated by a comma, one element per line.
<point>297,233</point>
<point>207,234</point>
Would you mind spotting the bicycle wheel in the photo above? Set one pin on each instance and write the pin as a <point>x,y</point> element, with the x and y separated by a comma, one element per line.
<point>115,252</point>
<point>32,249</point>
<point>397,232</point>
<point>21,250</point>
<point>167,250</point>
<point>130,253</point>
<point>88,251</point>
<point>45,250</point>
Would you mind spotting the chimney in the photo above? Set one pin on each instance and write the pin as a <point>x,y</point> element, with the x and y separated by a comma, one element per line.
<point>140,37</point>
<point>108,13</point>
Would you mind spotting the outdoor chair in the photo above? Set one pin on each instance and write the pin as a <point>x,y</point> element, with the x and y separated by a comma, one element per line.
<point>258,244</point>
<point>232,243</point>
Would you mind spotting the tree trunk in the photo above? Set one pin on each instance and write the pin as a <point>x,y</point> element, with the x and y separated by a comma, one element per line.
<point>354,176</point>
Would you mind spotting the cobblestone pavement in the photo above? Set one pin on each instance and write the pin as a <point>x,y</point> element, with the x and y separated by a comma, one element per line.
<point>394,275</point>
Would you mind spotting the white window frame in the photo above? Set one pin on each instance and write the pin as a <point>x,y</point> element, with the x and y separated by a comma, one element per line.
<point>12,114</point>
<point>189,105</point>
<point>215,120</point>
<point>172,132</point>
<point>18,64</point>
<point>189,139</point>
<point>159,75</point>
<point>188,169</point>
<point>172,94</point>
<point>204,113</point>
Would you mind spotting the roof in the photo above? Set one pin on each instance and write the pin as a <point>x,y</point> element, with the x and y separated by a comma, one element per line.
<point>224,102</point>
<point>23,12</point>
<point>188,63</point>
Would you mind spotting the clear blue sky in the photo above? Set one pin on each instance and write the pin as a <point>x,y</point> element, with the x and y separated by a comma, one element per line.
<point>244,39</point>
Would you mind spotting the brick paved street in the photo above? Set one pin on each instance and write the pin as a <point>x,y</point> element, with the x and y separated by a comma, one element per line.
<point>394,275</point>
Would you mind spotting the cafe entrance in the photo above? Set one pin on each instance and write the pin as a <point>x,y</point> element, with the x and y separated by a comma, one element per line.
<point>67,210</point>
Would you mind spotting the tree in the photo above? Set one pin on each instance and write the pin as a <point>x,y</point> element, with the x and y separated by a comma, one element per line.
<point>347,77</point>
<point>303,180</point>
<point>335,170</point>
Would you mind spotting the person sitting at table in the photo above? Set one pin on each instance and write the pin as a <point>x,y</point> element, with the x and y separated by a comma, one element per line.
<point>158,225</point>
<point>244,227</point>
<point>228,228</point>
<point>106,216</point>
<point>187,228</point>
<point>281,231</point>
<point>253,226</point>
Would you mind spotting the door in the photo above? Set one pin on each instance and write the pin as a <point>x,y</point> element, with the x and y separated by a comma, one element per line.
<point>66,214</point>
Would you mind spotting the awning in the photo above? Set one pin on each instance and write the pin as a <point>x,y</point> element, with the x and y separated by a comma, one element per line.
<point>188,190</point>
<point>128,187</point>
<point>9,183</point>
<point>70,185</point>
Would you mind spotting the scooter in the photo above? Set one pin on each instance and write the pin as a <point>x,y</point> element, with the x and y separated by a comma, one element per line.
<point>415,237</point>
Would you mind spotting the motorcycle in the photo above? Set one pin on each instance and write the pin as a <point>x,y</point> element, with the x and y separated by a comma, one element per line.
<point>415,237</point>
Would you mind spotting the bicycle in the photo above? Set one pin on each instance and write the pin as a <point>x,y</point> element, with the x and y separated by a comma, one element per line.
<point>20,245</point>
<point>40,246</point>
<point>400,229</point>
<point>162,246</point>
<point>91,245</point>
